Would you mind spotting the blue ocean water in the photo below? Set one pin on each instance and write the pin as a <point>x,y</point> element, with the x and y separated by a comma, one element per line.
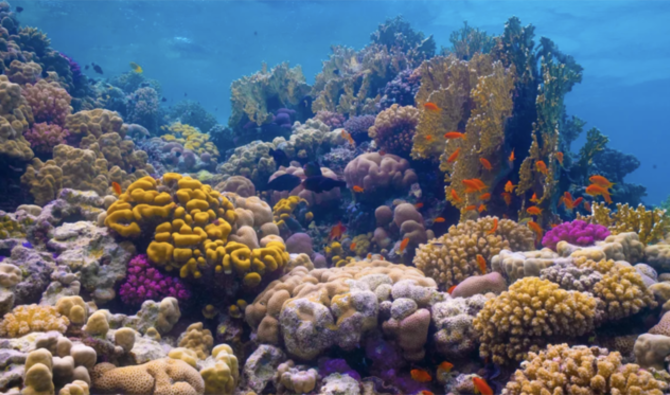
<point>197,48</point>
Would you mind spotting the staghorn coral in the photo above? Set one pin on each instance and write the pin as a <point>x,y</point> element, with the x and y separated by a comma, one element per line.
<point>394,129</point>
<point>144,282</point>
<point>49,102</point>
<point>562,369</point>
<point>530,315</point>
<point>32,318</point>
<point>451,258</point>
<point>576,232</point>
<point>650,225</point>
<point>44,137</point>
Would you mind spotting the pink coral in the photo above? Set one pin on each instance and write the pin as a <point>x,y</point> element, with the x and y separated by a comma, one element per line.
<point>394,129</point>
<point>44,137</point>
<point>376,173</point>
<point>576,232</point>
<point>145,282</point>
<point>333,119</point>
<point>50,103</point>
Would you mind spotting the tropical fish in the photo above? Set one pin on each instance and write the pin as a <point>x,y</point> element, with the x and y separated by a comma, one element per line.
<point>587,205</point>
<point>97,68</point>
<point>577,202</point>
<point>116,187</point>
<point>471,207</point>
<point>482,263</point>
<point>429,137</point>
<point>420,375</point>
<point>320,184</point>
<point>369,256</point>
<point>511,156</point>
<point>451,289</point>
<point>358,189</point>
<point>285,182</point>
<point>452,158</point>
<point>348,137</point>
<point>485,163</point>
<point>337,231</point>
<point>595,190</point>
<point>542,167</point>
<point>312,169</point>
<point>455,195</point>
<point>494,228</point>
<point>431,106</point>
<point>482,207</point>
<point>19,9</point>
<point>280,157</point>
<point>559,157</point>
<point>454,135</point>
<point>136,67</point>
<point>418,206</point>
<point>509,187</point>
<point>445,366</point>
<point>481,387</point>
<point>507,197</point>
<point>352,246</point>
<point>485,196</point>
<point>534,199</point>
<point>602,181</point>
<point>439,220</point>
<point>534,210</point>
<point>403,244</point>
<point>535,227</point>
<point>426,392</point>
<point>473,185</point>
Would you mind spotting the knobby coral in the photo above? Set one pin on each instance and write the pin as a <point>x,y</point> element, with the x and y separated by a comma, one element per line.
<point>143,282</point>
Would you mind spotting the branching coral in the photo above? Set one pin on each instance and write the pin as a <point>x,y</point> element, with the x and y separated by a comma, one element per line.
<point>452,257</point>
<point>650,225</point>
<point>529,315</point>
<point>576,232</point>
<point>49,102</point>
<point>581,370</point>
<point>32,318</point>
<point>394,128</point>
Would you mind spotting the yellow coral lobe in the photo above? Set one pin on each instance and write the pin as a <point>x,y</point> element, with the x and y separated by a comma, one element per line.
<point>252,280</point>
<point>160,252</point>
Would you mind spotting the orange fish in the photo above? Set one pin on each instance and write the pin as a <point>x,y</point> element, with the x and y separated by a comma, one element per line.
<point>418,206</point>
<point>511,156</point>
<point>357,189</point>
<point>482,263</point>
<point>485,196</point>
<point>426,392</point>
<point>509,187</point>
<point>429,137</point>
<point>352,246</point>
<point>337,231</point>
<point>534,199</point>
<point>403,245</point>
<point>553,226</point>
<point>439,220</point>
<point>445,366</point>
<point>534,210</point>
<point>559,157</point>
<point>485,163</point>
<point>369,256</point>
<point>451,289</point>
<point>421,375</point>
<point>455,195</point>
<point>595,190</point>
<point>535,227</point>
<point>495,227</point>
<point>507,197</point>
<point>481,207</point>
<point>587,205</point>
<point>452,158</point>
<point>471,207</point>
<point>382,152</point>
<point>602,181</point>
<point>116,187</point>
<point>576,202</point>
<point>473,185</point>
<point>541,167</point>
<point>347,137</point>
<point>454,135</point>
<point>481,387</point>
<point>431,106</point>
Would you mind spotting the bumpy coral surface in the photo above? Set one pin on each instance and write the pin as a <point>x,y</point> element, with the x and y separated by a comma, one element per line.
<point>376,173</point>
<point>452,257</point>
<point>15,117</point>
<point>144,282</point>
<point>32,318</point>
<point>576,232</point>
<point>50,103</point>
<point>394,129</point>
<point>44,137</point>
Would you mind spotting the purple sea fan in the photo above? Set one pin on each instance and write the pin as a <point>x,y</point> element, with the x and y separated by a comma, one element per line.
<point>144,282</point>
<point>576,232</point>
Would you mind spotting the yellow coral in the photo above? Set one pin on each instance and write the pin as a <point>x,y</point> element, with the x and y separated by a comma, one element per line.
<point>222,377</point>
<point>94,122</point>
<point>15,117</point>
<point>650,225</point>
<point>32,318</point>
<point>197,339</point>
<point>337,255</point>
<point>191,138</point>
<point>527,317</point>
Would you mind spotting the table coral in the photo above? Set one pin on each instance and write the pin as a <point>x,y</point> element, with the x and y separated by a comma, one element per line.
<point>452,257</point>
<point>529,315</point>
<point>581,370</point>
<point>576,232</point>
<point>393,129</point>
<point>144,282</point>
<point>44,137</point>
<point>32,318</point>
<point>49,102</point>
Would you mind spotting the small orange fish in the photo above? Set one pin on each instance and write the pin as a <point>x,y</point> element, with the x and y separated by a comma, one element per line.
<point>485,196</point>
<point>482,207</point>
<point>431,106</point>
<point>485,163</point>
<point>534,199</point>
<point>455,195</point>
<point>509,187</point>
<point>482,263</point>
<point>559,157</point>
<point>454,135</point>
<point>352,246</point>
<point>602,181</point>
<point>507,197</point>
<point>439,220</point>
<point>495,227</point>
<point>587,205</point>
<point>595,190</point>
<point>553,226</point>
<point>116,187</point>
<point>382,152</point>
<point>358,189</point>
<point>429,137</point>
<point>426,392</point>
<point>369,256</point>
<point>445,366</point>
<point>481,386</point>
<point>473,185</point>
<point>418,206</point>
<point>403,245</point>
<point>451,289</point>
<point>337,231</point>
<point>577,202</point>
<point>452,158</point>
<point>348,137</point>
<point>420,375</point>
<point>542,167</point>
<point>535,227</point>
<point>471,207</point>
<point>534,210</point>
<point>511,156</point>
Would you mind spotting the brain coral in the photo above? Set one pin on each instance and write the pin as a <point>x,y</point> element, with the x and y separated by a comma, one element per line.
<point>452,257</point>
<point>394,129</point>
<point>561,369</point>
<point>378,174</point>
<point>529,315</point>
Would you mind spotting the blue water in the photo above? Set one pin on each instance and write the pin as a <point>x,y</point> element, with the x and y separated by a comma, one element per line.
<point>197,48</point>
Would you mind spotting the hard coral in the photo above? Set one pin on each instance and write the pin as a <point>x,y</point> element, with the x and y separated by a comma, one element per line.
<point>358,127</point>
<point>197,339</point>
<point>44,137</point>
<point>576,232</point>
<point>191,138</point>
<point>93,122</point>
<point>32,318</point>
<point>394,129</point>
<point>455,337</point>
<point>650,225</point>
<point>15,117</point>
<point>49,102</point>
<point>378,174</point>
<point>143,282</point>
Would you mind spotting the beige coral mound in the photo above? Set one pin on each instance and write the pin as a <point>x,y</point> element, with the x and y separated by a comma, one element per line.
<point>580,370</point>
<point>452,257</point>
<point>160,377</point>
<point>529,315</point>
<point>32,318</point>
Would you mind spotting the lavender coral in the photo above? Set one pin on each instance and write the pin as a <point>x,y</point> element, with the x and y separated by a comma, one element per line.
<point>576,232</point>
<point>145,282</point>
<point>143,108</point>
<point>394,129</point>
<point>358,127</point>
<point>401,90</point>
<point>333,119</point>
<point>49,102</point>
<point>44,137</point>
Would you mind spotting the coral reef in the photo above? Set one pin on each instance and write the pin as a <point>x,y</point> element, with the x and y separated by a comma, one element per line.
<point>576,232</point>
<point>49,102</point>
<point>144,282</point>
<point>44,137</point>
<point>393,129</point>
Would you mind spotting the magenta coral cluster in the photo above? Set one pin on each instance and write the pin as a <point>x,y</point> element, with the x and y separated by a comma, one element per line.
<point>44,137</point>
<point>49,102</point>
<point>576,232</point>
<point>145,282</point>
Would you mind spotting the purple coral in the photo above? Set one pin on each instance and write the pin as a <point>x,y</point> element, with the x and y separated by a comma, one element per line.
<point>333,119</point>
<point>44,137</point>
<point>328,366</point>
<point>401,90</point>
<point>576,232</point>
<point>358,127</point>
<point>48,101</point>
<point>143,108</point>
<point>145,282</point>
